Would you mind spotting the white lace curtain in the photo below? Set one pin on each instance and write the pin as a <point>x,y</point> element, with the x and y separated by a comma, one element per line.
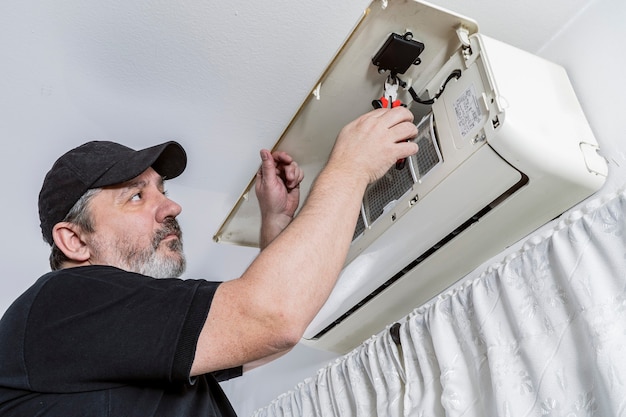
<point>541,334</point>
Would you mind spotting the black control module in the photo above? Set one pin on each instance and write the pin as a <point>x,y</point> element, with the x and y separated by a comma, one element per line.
<point>398,53</point>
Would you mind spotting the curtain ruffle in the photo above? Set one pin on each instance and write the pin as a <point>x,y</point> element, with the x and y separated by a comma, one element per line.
<point>542,333</point>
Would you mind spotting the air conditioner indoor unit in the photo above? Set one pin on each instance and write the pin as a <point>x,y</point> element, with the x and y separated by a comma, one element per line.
<point>504,148</point>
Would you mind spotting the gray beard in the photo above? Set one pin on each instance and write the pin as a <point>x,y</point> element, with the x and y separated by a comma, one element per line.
<point>160,266</point>
<point>148,261</point>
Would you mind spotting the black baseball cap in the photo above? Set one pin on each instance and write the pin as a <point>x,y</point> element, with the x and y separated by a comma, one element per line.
<point>98,164</point>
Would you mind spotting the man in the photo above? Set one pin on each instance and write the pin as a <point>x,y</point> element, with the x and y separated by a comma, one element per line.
<point>100,336</point>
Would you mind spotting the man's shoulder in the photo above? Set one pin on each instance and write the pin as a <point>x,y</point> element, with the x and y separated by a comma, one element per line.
<point>70,282</point>
<point>99,281</point>
<point>93,272</point>
<point>112,275</point>
<point>72,291</point>
<point>106,282</point>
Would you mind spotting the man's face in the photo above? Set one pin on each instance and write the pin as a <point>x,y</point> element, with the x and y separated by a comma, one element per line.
<point>135,228</point>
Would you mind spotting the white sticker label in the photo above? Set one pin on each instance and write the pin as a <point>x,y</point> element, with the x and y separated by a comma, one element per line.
<point>467,109</point>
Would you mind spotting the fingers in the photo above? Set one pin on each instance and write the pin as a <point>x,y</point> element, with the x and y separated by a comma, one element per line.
<point>403,131</point>
<point>267,164</point>
<point>374,142</point>
<point>392,116</point>
<point>280,164</point>
<point>408,148</point>
<point>282,157</point>
<point>398,121</point>
<point>292,174</point>
<point>400,124</point>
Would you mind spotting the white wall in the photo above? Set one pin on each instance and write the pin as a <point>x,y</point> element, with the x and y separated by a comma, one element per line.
<point>590,50</point>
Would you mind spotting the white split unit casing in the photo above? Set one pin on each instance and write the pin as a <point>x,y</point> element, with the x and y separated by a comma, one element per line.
<point>504,149</point>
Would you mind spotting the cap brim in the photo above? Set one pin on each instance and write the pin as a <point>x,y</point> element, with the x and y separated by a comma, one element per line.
<point>167,159</point>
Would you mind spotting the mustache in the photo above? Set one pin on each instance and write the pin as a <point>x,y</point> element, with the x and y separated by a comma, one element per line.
<point>170,227</point>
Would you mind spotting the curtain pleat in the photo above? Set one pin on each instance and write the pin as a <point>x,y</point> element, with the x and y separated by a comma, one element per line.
<point>542,333</point>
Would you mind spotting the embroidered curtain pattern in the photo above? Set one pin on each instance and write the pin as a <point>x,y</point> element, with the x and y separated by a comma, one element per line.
<point>543,333</point>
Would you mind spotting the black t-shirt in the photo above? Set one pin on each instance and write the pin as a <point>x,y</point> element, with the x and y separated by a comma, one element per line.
<point>99,341</point>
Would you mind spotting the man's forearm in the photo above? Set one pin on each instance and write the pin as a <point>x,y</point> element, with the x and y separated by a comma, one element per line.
<point>307,257</point>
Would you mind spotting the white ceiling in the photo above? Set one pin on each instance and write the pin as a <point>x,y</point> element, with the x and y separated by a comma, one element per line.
<point>223,78</point>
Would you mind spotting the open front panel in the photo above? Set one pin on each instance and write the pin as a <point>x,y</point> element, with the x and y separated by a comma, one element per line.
<point>346,90</point>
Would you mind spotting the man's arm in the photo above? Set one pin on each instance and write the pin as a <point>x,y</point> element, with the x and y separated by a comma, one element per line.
<point>266,310</point>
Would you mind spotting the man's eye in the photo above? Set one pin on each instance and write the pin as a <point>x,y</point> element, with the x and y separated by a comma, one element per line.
<point>136,197</point>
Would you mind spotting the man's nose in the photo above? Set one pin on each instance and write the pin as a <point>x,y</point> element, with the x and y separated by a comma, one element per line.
<point>168,208</point>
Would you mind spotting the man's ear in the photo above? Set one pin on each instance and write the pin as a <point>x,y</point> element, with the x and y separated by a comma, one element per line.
<point>67,237</point>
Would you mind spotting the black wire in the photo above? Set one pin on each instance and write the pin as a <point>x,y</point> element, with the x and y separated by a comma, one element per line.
<point>456,74</point>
